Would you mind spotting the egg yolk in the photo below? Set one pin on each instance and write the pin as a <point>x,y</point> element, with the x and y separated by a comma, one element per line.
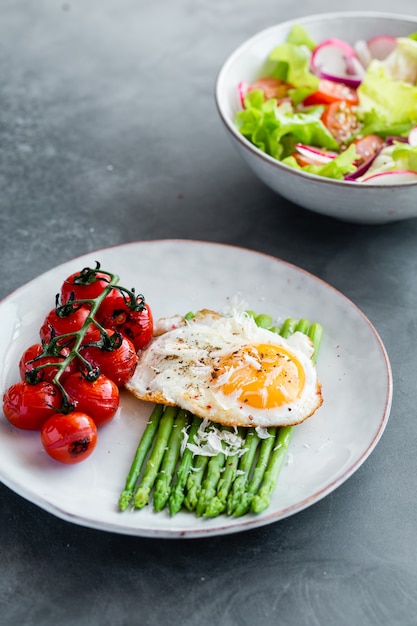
<point>263,376</point>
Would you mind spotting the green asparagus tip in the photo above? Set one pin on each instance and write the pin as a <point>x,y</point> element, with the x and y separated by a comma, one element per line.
<point>174,505</point>
<point>215,507</point>
<point>191,499</point>
<point>160,499</point>
<point>125,499</point>
<point>141,498</point>
<point>244,505</point>
<point>259,503</point>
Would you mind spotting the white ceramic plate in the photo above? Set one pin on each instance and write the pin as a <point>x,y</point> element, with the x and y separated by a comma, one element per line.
<point>177,276</point>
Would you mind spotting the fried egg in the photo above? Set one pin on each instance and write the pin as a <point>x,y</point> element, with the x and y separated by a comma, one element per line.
<point>230,371</point>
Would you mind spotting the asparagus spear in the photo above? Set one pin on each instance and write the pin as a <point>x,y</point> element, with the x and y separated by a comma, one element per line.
<point>144,488</point>
<point>258,473</point>
<point>218,503</point>
<point>194,481</point>
<point>177,494</point>
<point>163,481</point>
<point>215,467</point>
<point>244,468</point>
<point>261,500</point>
<point>141,452</point>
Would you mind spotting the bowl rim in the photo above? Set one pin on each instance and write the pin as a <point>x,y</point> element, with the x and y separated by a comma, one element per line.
<point>237,51</point>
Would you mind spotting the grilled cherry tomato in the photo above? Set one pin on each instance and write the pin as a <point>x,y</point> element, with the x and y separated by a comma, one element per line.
<point>31,359</point>
<point>56,324</point>
<point>69,438</point>
<point>367,147</point>
<point>135,325</point>
<point>272,87</point>
<point>329,92</point>
<point>99,398</point>
<point>85,285</point>
<point>29,406</point>
<point>118,363</point>
<point>341,121</point>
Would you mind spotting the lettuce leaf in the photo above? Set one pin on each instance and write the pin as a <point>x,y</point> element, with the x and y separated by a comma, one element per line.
<point>374,124</point>
<point>405,156</point>
<point>388,93</point>
<point>275,130</point>
<point>300,37</point>
<point>401,63</point>
<point>290,62</point>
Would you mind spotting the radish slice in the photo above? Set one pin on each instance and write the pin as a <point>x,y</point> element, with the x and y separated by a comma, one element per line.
<point>380,47</point>
<point>363,53</point>
<point>355,67</point>
<point>333,60</point>
<point>318,156</point>
<point>412,137</point>
<point>242,89</point>
<point>391,178</point>
<point>331,54</point>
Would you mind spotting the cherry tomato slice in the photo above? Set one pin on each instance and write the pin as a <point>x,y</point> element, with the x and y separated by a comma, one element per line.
<point>272,87</point>
<point>118,364</point>
<point>329,92</point>
<point>99,398</point>
<point>29,406</point>
<point>367,147</point>
<point>341,121</point>
<point>31,360</point>
<point>69,438</point>
<point>85,285</point>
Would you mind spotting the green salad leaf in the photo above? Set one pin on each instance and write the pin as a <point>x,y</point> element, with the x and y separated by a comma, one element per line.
<point>266,125</point>
<point>290,62</point>
<point>405,156</point>
<point>373,123</point>
<point>300,37</point>
<point>388,89</point>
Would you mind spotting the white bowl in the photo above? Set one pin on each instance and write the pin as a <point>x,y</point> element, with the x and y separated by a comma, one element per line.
<point>344,200</point>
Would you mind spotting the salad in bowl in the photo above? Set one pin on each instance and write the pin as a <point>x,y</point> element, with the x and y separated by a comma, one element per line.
<point>335,109</point>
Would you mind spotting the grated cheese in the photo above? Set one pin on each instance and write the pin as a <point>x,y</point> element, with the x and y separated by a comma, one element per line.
<point>210,441</point>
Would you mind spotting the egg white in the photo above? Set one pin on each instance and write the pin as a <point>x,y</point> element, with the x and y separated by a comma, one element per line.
<point>177,369</point>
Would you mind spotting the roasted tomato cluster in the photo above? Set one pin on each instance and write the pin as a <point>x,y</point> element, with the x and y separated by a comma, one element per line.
<point>87,350</point>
